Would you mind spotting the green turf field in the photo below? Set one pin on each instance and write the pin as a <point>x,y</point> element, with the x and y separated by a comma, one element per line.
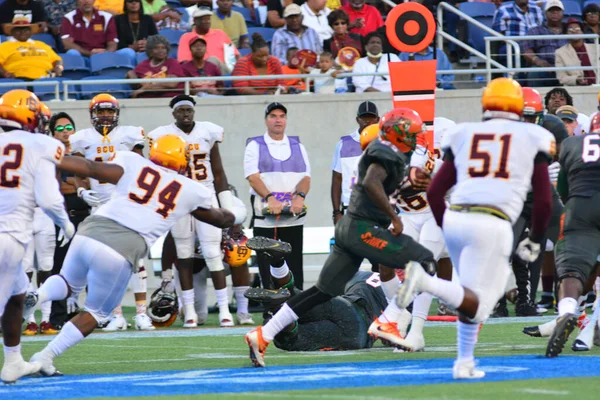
<point>403,375</point>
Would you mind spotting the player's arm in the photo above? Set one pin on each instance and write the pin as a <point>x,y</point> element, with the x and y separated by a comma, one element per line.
<point>218,217</point>
<point>336,192</point>
<point>542,198</point>
<point>47,194</point>
<point>373,184</point>
<point>105,172</point>
<point>443,180</point>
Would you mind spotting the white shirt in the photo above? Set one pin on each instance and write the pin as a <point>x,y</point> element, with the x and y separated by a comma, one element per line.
<point>279,149</point>
<point>583,125</point>
<point>348,167</point>
<point>318,22</point>
<point>364,66</point>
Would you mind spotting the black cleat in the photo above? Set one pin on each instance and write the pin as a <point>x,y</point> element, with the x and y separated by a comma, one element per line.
<point>500,311</point>
<point>564,326</point>
<point>268,297</point>
<point>276,250</point>
<point>546,302</point>
<point>579,345</point>
<point>533,331</point>
<point>526,309</point>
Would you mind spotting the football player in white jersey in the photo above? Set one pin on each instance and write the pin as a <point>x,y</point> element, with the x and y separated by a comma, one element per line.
<point>27,178</point>
<point>491,164</point>
<point>99,143</point>
<point>205,167</point>
<point>150,196</point>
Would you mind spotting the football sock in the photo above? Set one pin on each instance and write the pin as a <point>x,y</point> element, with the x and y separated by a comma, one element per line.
<point>240,299</point>
<point>54,288</point>
<point>222,300</point>
<point>140,307</point>
<point>187,297</point>
<point>391,313</point>
<point>46,310</point>
<point>31,318</point>
<point>466,340</point>
<point>68,337</point>
<point>547,328</point>
<point>12,354</point>
<point>390,288</point>
<point>139,281</point>
<point>279,322</point>
<point>420,310</point>
<point>167,275</point>
<point>453,294</point>
<point>567,305</point>
<point>118,312</point>
<point>280,272</point>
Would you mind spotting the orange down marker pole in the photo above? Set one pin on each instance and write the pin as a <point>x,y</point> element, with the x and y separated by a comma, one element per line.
<point>410,27</point>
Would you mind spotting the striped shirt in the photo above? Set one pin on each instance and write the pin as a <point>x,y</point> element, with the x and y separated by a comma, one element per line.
<point>510,20</point>
<point>284,39</point>
<point>245,67</point>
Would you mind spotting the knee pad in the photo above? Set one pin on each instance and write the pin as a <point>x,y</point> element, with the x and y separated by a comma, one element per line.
<point>214,264</point>
<point>213,256</point>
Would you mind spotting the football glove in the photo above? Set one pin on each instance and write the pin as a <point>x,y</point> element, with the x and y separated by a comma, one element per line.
<point>528,250</point>
<point>89,196</point>
<point>553,170</point>
<point>66,234</point>
<point>72,306</point>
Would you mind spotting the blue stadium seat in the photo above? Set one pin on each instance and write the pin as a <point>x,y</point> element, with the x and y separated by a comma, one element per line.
<point>484,13</point>
<point>591,2</point>
<point>185,16</point>
<point>173,52</point>
<point>172,35</point>
<point>266,33</point>
<point>3,38</point>
<point>173,3</point>
<point>477,9</point>
<point>46,38</point>
<point>245,52</point>
<point>139,57</point>
<point>75,67</point>
<point>250,22</point>
<point>111,64</point>
<point>119,90</point>
<point>46,93</point>
<point>572,8</point>
<point>10,80</point>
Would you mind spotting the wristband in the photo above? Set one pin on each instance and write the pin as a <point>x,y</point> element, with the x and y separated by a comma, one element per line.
<point>79,191</point>
<point>336,212</point>
<point>301,194</point>
<point>267,196</point>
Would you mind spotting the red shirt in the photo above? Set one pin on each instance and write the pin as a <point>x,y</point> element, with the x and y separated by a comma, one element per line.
<point>371,15</point>
<point>169,67</point>
<point>209,69</point>
<point>245,67</point>
<point>94,34</point>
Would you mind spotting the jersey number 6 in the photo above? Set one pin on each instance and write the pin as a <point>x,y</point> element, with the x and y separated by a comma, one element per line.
<point>486,158</point>
<point>148,181</point>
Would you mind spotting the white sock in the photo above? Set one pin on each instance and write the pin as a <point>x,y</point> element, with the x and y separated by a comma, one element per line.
<point>222,298</point>
<point>32,317</point>
<point>118,312</point>
<point>280,272</point>
<point>187,297</point>
<point>391,312</point>
<point>416,326</point>
<point>167,275</point>
<point>420,311</point>
<point>139,281</point>
<point>280,320</point>
<point>390,288</point>
<point>12,354</point>
<point>466,340</point>
<point>46,309</point>
<point>68,337</point>
<point>567,305</point>
<point>452,293</point>
<point>242,302</point>
<point>547,328</point>
<point>54,288</point>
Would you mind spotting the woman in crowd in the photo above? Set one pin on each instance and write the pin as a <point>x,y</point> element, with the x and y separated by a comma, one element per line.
<point>339,20</point>
<point>134,27</point>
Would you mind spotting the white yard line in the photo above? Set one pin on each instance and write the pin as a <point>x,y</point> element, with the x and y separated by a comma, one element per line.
<point>545,391</point>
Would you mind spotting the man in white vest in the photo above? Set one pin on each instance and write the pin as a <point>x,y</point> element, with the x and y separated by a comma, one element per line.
<point>278,171</point>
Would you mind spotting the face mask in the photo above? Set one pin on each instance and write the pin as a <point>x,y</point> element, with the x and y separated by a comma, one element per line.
<point>374,55</point>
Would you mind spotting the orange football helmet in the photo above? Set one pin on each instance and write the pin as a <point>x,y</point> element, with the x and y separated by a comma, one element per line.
<point>401,127</point>
<point>503,94</point>
<point>369,134</point>
<point>104,101</point>
<point>534,105</point>
<point>45,116</point>
<point>20,109</point>
<point>170,151</point>
<point>236,252</point>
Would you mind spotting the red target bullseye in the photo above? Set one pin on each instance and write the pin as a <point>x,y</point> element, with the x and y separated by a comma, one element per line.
<point>410,27</point>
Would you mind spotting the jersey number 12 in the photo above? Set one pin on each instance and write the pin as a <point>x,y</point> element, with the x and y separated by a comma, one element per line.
<point>486,158</point>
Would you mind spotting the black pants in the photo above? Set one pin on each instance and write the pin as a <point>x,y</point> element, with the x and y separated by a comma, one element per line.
<point>78,211</point>
<point>293,235</point>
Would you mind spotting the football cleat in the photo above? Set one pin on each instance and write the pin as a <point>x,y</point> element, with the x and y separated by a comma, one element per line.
<point>143,323</point>
<point>46,328</point>
<point>533,331</point>
<point>116,323</point>
<point>546,302</point>
<point>412,343</point>
<point>414,272</point>
<point>46,363</point>
<point>12,371</point>
<point>580,345</point>
<point>276,250</point>
<point>267,296</point>
<point>564,326</point>
<point>466,370</point>
<point>191,320</point>
<point>387,332</point>
<point>526,309</point>
<point>245,319</point>
<point>31,329</point>
<point>258,346</point>
<point>225,318</point>
<point>500,311</point>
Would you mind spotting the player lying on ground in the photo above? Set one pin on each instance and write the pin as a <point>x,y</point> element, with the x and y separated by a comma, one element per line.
<point>150,196</point>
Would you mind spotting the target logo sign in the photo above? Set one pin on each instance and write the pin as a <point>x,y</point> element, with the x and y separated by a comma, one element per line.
<point>410,27</point>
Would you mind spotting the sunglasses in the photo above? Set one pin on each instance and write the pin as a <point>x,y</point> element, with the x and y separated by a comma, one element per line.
<point>60,128</point>
<point>133,1</point>
<point>337,23</point>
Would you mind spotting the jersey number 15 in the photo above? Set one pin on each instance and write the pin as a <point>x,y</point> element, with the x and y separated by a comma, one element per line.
<point>486,158</point>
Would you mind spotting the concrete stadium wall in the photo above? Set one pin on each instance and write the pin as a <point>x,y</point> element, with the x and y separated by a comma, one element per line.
<point>318,120</point>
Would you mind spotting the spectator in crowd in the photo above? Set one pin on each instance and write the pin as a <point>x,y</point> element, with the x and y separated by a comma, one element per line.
<point>315,16</point>
<point>158,65</point>
<point>34,10</point>
<point>445,81</point>
<point>276,187</point>
<point>294,34</point>
<point>515,18</point>
<point>540,53</point>
<point>160,12</point>
<point>113,7</point>
<point>275,9</point>
<point>559,97</point>
<point>216,41</point>
<point>258,62</point>
<point>230,22</point>
<point>339,22</point>
<point>25,58</point>
<point>327,85</point>
<point>375,62</point>
<point>591,19</point>
<point>335,4</point>
<point>134,27</point>
<point>55,11</point>
<point>197,66</point>
<point>295,84</point>
<point>568,115</point>
<point>576,53</point>
<point>363,17</point>
<point>178,20</point>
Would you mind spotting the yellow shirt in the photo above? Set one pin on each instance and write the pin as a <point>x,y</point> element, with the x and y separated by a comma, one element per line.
<point>115,7</point>
<point>331,4</point>
<point>233,25</point>
<point>31,59</point>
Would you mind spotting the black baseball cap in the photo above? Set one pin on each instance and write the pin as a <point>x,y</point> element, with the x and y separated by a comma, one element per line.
<point>275,106</point>
<point>367,108</point>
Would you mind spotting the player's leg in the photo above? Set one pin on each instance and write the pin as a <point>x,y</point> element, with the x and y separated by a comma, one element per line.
<point>210,243</point>
<point>139,284</point>
<point>13,285</point>
<point>184,236</point>
<point>108,274</point>
<point>45,244</point>
<point>240,277</point>
<point>294,235</point>
<point>201,293</point>
<point>28,266</point>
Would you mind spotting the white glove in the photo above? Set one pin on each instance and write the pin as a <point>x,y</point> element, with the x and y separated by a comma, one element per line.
<point>553,170</point>
<point>168,286</point>
<point>528,250</point>
<point>89,196</point>
<point>72,306</point>
<point>66,234</point>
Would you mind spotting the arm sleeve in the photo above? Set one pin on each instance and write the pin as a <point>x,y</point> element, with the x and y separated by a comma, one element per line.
<point>66,29</point>
<point>542,199</point>
<point>562,185</point>
<point>47,194</point>
<point>336,164</point>
<point>439,186</point>
<point>111,31</point>
<point>216,133</point>
<point>251,159</point>
<point>135,137</point>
